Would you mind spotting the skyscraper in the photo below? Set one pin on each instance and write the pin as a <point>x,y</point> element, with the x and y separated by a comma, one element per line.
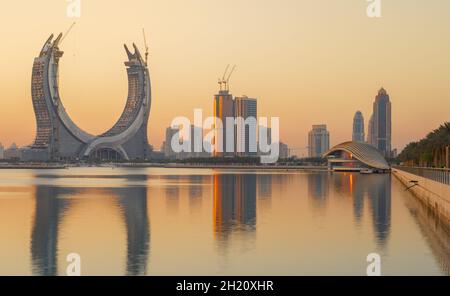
<point>169,153</point>
<point>318,140</point>
<point>195,142</point>
<point>223,109</point>
<point>284,151</point>
<point>2,150</point>
<point>246,129</point>
<point>382,122</point>
<point>371,132</point>
<point>59,138</point>
<point>358,127</point>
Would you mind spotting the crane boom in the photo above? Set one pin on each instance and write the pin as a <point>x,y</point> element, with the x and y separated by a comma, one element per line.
<point>223,81</point>
<point>225,73</point>
<point>146,46</point>
<point>67,32</point>
<point>227,83</point>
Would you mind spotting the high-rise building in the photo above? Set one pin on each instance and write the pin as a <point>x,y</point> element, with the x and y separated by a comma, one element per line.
<point>59,138</point>
<point>382,122</point>
<point>223,109</point>
<point>358,127</point>
<point>196,143</point>
<point>371,132</point>
<point>284,151</point>
<point>2,151</point>
<point>169,153</point>
<point>246,129</point>
<point>318,140</point>
<point>189,143</point>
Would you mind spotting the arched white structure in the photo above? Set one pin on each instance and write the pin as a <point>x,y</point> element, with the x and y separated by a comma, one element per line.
<point>365,153</point>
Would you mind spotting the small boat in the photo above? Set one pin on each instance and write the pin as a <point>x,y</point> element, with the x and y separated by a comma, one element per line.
<point>366,171</point>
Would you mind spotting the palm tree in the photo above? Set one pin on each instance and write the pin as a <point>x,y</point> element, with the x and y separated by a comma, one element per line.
<point>429,151</point>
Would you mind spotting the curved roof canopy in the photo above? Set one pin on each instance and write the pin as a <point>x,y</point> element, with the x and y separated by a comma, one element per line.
<point>363,152</point>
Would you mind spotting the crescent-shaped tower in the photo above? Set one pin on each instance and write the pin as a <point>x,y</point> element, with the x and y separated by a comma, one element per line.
<point>59,138</point>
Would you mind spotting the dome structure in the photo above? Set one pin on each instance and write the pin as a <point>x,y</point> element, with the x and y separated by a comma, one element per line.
<point>354,152</point>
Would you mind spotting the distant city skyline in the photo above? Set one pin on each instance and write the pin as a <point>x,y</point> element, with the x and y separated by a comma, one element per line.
<point>316,62</point>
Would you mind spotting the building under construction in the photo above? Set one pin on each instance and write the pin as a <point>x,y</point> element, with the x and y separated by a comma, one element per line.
<point>59,138</point>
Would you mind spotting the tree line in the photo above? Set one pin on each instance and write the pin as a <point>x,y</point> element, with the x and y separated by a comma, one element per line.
<point>431,151</point>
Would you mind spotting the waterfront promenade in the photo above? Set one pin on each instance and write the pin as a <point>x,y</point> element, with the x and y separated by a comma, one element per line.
<point>430,186</point>
<point>163,165</point>
<point>30,166</point>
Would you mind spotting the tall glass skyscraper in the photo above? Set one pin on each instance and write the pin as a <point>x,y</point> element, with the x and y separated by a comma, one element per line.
<point>246,131</point>
<point>358,127</point>
<point>318,140</point>
<point>223,109</point>
<point>382,123</point>
<point>371,132</point>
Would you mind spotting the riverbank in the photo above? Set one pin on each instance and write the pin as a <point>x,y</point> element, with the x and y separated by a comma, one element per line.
<point>435,195</point>
<point>31,166</point>
<point>165,165</point>
<point>226,166</point>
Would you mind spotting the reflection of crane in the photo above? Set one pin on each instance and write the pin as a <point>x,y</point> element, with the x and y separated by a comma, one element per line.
<point>295,149</point>
<point>67,32</point>
<point>146,46</point>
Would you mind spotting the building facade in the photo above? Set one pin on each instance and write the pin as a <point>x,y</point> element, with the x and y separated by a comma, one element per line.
<point>223,109</point>
<point>169,153</point>
<point>371,132</point>
<point>382,123</point>
<point>239,138</point>
<point>358,128</point>
<point>13,153</point>
<point>284,151</point>
<point>2,151</point>
<point>59,138</point>
<point>318,140</point>
<point>246,126</point>
<point>356,156</point>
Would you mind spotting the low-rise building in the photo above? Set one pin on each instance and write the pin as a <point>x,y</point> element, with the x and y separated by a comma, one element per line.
<point>13,153</point>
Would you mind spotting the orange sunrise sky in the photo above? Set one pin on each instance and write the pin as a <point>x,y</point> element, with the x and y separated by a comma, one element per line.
<point>306,61</point>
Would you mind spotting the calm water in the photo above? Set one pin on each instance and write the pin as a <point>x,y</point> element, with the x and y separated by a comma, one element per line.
<point>214,222</point>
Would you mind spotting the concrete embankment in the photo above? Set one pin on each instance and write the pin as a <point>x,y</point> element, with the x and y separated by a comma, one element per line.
<point>435,195</point>
<point>31,166</point>
<point>227,166</point>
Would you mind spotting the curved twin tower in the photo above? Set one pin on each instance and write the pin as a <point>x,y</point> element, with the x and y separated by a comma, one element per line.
<point>59,138</point>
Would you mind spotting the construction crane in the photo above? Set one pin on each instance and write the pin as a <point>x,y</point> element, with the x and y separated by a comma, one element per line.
<point>222,80</point>
<point>67,33</point>
<point>226,82</point>
<point>146,46</point>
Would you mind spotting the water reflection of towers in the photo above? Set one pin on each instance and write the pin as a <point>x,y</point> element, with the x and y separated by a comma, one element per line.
<point>376,189</point>
<point>234,203</point>
<point>52,207</point>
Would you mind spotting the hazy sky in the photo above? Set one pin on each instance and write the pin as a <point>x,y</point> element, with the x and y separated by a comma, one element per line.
<point>307,61</point>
